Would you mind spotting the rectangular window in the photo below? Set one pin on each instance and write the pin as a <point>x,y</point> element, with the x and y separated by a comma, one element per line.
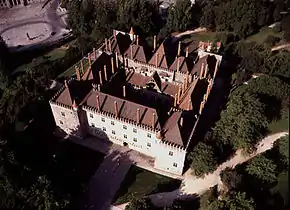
<point>62,114</point>
<point>175,164</point>
<point>148,135</point>
<point>135,139</point>
<point>148,144</point>
<point>125,136</point>
<point>104,129</point>
<point>103,119</point>
<point>112,123</point>
<point>91,116</point>
<point>93,125</point>
<point>170,153</point>
<point>134,130</point>
<point>125,127</point>
<point>61,122</point>
<point>113,132</point>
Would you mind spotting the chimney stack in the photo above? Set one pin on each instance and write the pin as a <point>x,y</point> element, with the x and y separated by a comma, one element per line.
<point>179,48</point>
<point>117,60</point>
<point>112,63</point>
<point>186,79</point>
<point>178,63</point>
<point>137,41</point>
<point>124,91</point>
<point>110,46</point>
<point>98,103</point>
<point>138,115</point>
<point>114,33</point>
<point>201,71</point>
<point>116,109</point>
<point>105,72</point>
<point>99,87</point>
<point>175,100</point>
<point>65,84</point>
<point>74,105</point>
<point>100,76</point>
<point>181,122</point>
<point>186,52</point>
<point>205,72</point>
<point>216,68</point>
<point>201,107</point>
<point>82,66</point>
<point>189,104</point>
<point>78,73</point>
<point>153,120</point>
<point>155,43</point>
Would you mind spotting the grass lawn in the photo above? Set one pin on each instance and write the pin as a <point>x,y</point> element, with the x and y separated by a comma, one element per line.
<point>139,182</point>
<point>71,71</point>
<point>202,36</point>
<point>50,56</point>
<point>262,35</point>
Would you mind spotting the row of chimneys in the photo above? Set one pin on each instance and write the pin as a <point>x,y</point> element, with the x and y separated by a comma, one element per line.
<point>181,90</point>
<point>205,96</point>
<point>117,112</point>
<point>203,73</point>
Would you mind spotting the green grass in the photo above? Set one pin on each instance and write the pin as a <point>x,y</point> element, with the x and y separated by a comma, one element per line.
<point>262,35</point>
<point>202,36</point>
<point>139,182</point>
<point>71,71</point>
<point>50,56</point>
<point>280,125</point>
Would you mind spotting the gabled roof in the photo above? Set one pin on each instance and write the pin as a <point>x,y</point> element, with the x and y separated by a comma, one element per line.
<point>138,53</point>
<point>126,109</point>
<point>185,65</point>
<point>171,129</point>
<point>186,99</point>
<point>197,66</point>
<point>160,57</point>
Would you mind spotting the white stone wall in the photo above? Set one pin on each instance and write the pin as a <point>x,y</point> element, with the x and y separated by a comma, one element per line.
<point>66,119</point>
<point>169,159</point>
<point>120,132</point>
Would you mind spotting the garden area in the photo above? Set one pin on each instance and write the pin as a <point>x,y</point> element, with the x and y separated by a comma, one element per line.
<point>139,182</point>
<point>262,35</point>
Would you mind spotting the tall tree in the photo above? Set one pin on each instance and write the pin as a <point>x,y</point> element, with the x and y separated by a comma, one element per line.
<point>180,16</point>
<point>140,204</point>
<point>262,168</point>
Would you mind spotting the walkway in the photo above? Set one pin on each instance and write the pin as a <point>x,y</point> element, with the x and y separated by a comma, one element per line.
<point>197,30</point>
<point>192,185</point>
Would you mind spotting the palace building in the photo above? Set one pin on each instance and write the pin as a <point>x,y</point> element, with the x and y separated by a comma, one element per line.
<point>146,99</point>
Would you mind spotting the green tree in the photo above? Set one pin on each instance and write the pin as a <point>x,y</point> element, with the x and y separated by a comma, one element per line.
<point>143,15</point>
<point>180,16</point>
<point>231,178</point>
<point>238,201</point>
<point>262,168</point>
<point>200,163</point>
<point>282,145</point>
<point>140,204</point>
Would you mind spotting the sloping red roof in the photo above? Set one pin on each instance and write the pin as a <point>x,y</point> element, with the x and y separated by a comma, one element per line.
<point>137,53</point>
<point>172,131</point>
<point>185,65</point>
<point>126,109</point>
<point>197,67</point>
<point>160,56</point>
<point>186,99</point>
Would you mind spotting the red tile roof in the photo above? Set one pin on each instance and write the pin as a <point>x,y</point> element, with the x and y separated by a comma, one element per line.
<point>126,109</point>
<point>171,129</point>
<point>137,53</point>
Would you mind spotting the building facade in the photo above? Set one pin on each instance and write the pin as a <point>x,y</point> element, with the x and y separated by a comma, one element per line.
<point>148,103</point>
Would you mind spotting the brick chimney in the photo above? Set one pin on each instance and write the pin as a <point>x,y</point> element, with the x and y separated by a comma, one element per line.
<point>138,115</point>
<point>112,63</point>
<point>181,122</point>
<point>206,70</point>
<point>131,34</point>
<point>179,94</point>
<point>131,51</point>
<point>95,54</point>
<point>74,105</point>
<point>186,79</point>
<point>116,109</point>
<point>175,100</point>
<point>178,63</point>
<point>153,120</point>
<point>186,52</point>
<point>114,33</point>
<point>98,103</point>
<point>124,91</point>
<point>82,66</point>
<point>201,107</point>
<point>137,40</point>
<point>201,71</point>
<point>155,43</point>
<point>100,76</point>
<point>117,63</point>
<point>110,46</point>
<point>106,44</point>
<point>179,48</point>
<point>105,72</point>
<point>65,84</point>
<point>78,73</point>
<point>89,58</point>
<point>189,104</point>
<point>216,68</point>
<point>157,57</point>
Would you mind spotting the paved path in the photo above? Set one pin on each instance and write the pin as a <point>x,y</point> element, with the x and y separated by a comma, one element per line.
<point>192,185</point>
<point>197,30</point>
<point>280,47</point>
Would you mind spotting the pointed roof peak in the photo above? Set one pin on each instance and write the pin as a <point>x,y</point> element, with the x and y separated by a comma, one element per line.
<point>131,30</point>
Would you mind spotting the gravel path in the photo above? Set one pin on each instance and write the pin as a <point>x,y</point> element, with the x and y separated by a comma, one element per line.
<point>192,185</point>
